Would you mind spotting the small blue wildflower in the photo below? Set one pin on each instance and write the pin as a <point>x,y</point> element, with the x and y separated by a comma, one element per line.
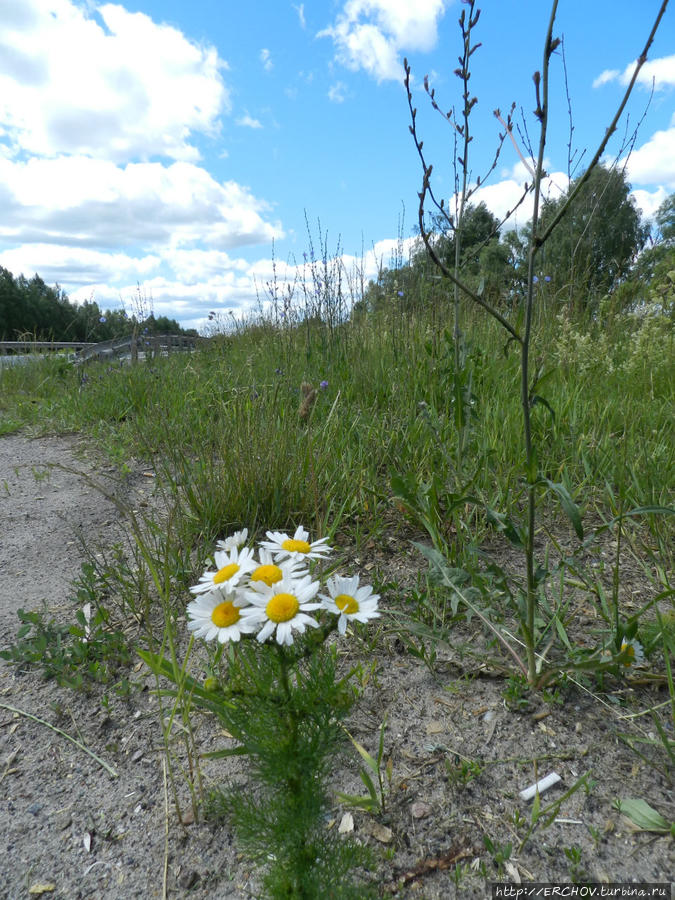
<point>547,278</point>
<point>535,280</point>
<point>323,385</point>
<point>278,372</point>
<point>102,320</point>
<point>400,293</point>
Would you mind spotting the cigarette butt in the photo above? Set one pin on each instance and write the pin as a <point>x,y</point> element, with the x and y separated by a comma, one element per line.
<point>540,786</point>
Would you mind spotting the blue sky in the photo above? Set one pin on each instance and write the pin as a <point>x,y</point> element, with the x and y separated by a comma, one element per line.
<point>170,144</point>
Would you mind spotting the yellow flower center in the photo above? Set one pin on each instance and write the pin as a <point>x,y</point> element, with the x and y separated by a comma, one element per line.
<point>347,604</point>
<point>267,574</point>
<point>282,607</point>
<point>629,650</point>
<point>225,573</point>
<point>225,614</point>
<point>295,546</point>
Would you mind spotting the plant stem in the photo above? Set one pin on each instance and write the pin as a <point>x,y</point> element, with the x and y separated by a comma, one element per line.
<point>530,456</point>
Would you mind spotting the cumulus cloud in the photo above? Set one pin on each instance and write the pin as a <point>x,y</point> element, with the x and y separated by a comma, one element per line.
<point>373,34</point>
<point>94,203</point>
<point>658,72</point>
<point>505,195</point>
<point>654,161</point>
<point>60,263</point>
<point>105,82</point>
<point>648,202</point>
<point>100,187</point>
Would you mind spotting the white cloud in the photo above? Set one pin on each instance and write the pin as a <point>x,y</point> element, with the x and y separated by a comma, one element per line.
<point>336,92</point>
<point>654,162</point>
<point>372,34</point>
<point>77,266</point>
<point>300,10</point>
<point>266,60</point>
<point>649,201</point>
<point>94,203</point>
<point>105,82</point>
<point>247,121</point>
<point>504,196</point>
<point>605,77</point>
<point>659,72</point>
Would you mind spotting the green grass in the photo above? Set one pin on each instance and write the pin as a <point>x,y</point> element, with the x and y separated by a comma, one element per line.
<point>222,424</point>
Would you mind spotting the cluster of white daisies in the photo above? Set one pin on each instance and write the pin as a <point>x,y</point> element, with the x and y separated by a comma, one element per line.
<point>272,591</point>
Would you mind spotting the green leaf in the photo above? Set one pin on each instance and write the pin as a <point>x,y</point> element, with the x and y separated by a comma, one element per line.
<point>365,803</point>
<point>536,398</point>
<point>536,807</point>
<point>370,787</point>
<point>370,762</point>
<point>222,754</point>
<point>506,525</point>
<point>569,506</point>
<point>643,815</point>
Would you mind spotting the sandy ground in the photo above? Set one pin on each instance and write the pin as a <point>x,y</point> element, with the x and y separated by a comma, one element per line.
<point>77,830</point>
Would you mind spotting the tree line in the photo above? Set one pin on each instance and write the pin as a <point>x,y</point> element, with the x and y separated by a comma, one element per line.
<point>32,310</point>
<point>601,251</point>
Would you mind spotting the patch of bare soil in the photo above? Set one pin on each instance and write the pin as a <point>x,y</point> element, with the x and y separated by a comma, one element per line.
<point>459,753</point>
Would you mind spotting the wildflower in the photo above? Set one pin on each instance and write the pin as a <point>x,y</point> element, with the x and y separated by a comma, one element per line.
<point>102,320</point>
<point>269,573</point>
<point>281,607</point>
<point>535,279</point>
<point>238,539</point>
<point>547,278</point>
<point>633,653</point>
<point>231,566</point>
<point>350,601</point>
<point>215,616</point>
<point>323,385</point>
<point>400,293</point>
<point>296,547</point>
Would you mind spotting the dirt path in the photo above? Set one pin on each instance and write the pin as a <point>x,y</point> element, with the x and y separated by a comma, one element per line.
<point>65,821</point>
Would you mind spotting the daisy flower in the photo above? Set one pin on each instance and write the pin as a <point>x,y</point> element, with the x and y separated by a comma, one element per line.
<point>633,652</point>
<point>238,539</point>
<point>281,607</point>
<point>350,601</point>
<point>296,547</point>
<point>269,572</point>
<point>231,566</point>
<point>215,616</point>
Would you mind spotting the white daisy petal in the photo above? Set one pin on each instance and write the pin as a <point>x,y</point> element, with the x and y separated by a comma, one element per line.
<point>230,568</point>
<point>238,539</point>
<point>282,607</point>
<point>297,547</point>
<point>349,601</point>
<point>215,615</point>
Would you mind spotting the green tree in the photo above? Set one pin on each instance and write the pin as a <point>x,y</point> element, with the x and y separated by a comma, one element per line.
<point>593,249</point>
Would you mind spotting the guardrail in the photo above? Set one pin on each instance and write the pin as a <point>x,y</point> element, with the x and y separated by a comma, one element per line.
<point>139,346</point>
<point>12,347</point>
